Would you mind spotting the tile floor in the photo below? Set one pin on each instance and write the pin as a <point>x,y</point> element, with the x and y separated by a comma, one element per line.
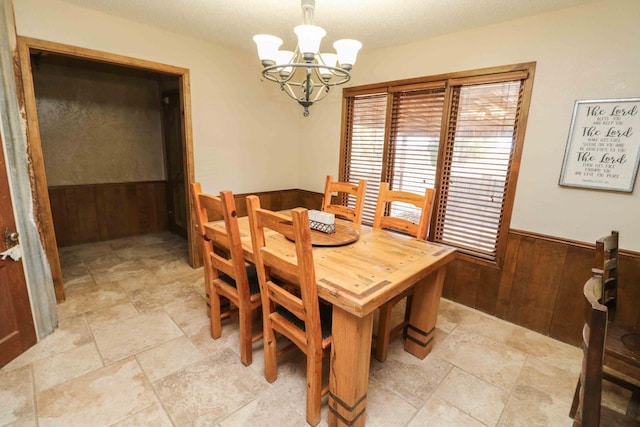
<point>133,348</point>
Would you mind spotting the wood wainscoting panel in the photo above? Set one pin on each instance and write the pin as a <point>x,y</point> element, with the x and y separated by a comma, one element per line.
<point>540,285</point>
<point>97,212</point>
<point>569,310</point>
<point>280,200</point>
<point>628,309</point>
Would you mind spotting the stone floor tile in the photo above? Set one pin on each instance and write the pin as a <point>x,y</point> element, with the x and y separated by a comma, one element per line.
<point>153,298</point>
<point>474,396</point>
<point>72,332</point>
<point>66,366</point>
<point>16,395</point>
<point>490,360</point>
<point>122,339</point>
<point>385,408</point>
<point>119,271</point>
<point>207,392</point>
<point>550,379</point>
<point>111,314</point>
<point>90,297</point>
<point>138,251</point>
<point>409,377</point>
<point>544,348</point>
<point>529,406</point>
<point>143,279</point>
<point>100,398</point>
<point>439,413</point>
<point>152,416</point>
<point>167,358</point>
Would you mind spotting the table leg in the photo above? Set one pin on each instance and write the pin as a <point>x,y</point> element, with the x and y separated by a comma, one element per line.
<point>424,313</point>
<point>349,377</point>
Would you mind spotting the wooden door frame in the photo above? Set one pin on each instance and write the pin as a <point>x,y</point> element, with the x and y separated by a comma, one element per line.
<point>34,144</point>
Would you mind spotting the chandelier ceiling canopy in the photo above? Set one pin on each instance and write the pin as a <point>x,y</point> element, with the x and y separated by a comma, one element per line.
<point>305,74</point>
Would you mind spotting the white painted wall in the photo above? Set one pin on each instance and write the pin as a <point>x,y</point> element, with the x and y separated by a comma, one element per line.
<point>241,133</point>
<point>586,52</point>
<point>249,137</point>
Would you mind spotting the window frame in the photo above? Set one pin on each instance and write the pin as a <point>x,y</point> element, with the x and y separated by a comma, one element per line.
<point>524,72</point>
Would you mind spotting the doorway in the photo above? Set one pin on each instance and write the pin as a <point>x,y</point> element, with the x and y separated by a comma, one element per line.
<point>27,47</point>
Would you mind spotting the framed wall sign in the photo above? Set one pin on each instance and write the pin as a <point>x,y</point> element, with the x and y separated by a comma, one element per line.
<point>603,149</point>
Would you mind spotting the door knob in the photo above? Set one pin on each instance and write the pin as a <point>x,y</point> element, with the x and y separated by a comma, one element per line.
<point>10,238</point>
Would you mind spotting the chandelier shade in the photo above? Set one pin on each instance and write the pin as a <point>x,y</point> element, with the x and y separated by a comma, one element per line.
<point>267,47</point>
<point>305,74</point>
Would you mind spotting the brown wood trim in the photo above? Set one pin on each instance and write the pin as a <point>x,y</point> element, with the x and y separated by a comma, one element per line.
<point>96,55</point>
<point>42,205</point>
<point>570,242</point>
<point>370,88</point>
<point>195,258</point>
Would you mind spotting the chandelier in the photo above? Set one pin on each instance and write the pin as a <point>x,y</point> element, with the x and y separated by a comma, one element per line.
<point>305,74</point>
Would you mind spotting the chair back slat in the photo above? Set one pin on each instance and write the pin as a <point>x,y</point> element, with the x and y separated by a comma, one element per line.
<point>606,260</point>
<point>286,299</point>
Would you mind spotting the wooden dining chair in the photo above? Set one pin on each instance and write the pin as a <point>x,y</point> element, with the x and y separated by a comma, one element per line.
<point>227,276</point>
<point>299,316</point>
<point>343,190</point>
<point>417,229</point>
<point>589,411</point>
<point>622,351</point>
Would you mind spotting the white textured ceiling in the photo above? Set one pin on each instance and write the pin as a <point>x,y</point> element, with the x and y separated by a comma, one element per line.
<point>376,23</point>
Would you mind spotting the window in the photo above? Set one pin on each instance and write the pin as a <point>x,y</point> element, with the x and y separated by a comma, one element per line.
<point>460,134</point>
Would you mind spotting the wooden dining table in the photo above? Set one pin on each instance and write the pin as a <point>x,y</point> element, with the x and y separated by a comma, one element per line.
<point>357,278</point>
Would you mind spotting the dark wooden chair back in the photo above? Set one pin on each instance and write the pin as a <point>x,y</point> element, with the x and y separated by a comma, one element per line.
<point>590,411</point>
<point>292,310</point>
<point>343,190</point>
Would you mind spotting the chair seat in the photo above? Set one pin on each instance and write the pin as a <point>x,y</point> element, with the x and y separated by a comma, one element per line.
<point>326,319</point>
<point>609,417</point>
<point>252,277</point>
<point>622,343</point>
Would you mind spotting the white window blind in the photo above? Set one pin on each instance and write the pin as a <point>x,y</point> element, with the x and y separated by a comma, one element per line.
<point>479,147</point>
<point>364,153</point>
<point>413,145</point>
